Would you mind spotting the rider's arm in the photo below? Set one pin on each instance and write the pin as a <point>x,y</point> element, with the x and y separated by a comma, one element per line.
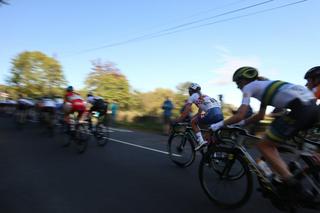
<point>185,113</point>
<point>257,117</point>
<point>238,116</point>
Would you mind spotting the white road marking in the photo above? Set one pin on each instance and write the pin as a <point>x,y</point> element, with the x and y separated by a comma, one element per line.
<point>142,147</point>
<point>120,130</point>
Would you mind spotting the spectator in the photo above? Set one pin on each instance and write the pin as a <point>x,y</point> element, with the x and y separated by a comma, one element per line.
<point>167,107</point>
<point>114,111</point>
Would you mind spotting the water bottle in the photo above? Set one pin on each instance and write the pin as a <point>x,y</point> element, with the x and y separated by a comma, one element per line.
<point>263,166</point>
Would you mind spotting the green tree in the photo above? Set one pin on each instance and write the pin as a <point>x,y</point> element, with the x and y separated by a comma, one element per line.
<point>107,81</point>
<point>35,74</point>
<point>152,101</point>
<point>180,96</point>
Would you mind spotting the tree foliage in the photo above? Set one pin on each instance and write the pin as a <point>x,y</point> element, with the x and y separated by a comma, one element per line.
<point>107,81</point>
<point>35,74</point>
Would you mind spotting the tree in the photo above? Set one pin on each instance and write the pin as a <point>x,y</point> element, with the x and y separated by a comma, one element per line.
<point>107,81</point>
<point>35,74</point>
<point>180,96</point>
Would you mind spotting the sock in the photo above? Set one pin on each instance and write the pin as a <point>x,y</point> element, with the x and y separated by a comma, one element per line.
<point>199,136</point>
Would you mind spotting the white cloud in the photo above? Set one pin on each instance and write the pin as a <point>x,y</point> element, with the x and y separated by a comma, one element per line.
<point>223,74</point>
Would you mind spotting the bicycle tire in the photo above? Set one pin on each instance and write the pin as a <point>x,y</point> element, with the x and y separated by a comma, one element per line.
<point>102,134</point>
<point>231,160</point>
<point>80,138</point>
<point>181,150</point>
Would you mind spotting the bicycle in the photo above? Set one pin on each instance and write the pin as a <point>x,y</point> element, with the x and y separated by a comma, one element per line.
<point>99,127</point>
<point>47,119</point>
<point>231,164</point>
<point>77,133</point>
<point>21,115</point>
<point>182,142</point>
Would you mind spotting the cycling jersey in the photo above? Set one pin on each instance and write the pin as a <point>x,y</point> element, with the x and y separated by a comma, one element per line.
<point>98,104</point>
<point>281,94</point>
<point>203,102</point>
<point>77,103</point>
<point>46,102</point>
<point>275,93</point>
<point>210,106</point>
<point>25,102</point>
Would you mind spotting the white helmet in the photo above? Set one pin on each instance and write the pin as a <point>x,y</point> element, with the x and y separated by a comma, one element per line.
<point>194,86</point>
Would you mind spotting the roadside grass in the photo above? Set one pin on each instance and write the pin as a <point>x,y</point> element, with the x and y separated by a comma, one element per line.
<point>145,126</point>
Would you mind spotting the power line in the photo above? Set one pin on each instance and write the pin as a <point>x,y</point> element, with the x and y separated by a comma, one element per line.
<point>200,13</point>
<point>165,32</point>
<point>145,36</point>
<point>229,19</point>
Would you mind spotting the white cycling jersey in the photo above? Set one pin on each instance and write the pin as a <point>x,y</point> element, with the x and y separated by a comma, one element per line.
<point>275,93</point>
<point>204,102</point>
<point>25,102</point>
<point>47,102</point>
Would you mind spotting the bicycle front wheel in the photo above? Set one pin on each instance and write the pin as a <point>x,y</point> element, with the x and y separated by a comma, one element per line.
<point>181,150</point>
<point>225,177</point>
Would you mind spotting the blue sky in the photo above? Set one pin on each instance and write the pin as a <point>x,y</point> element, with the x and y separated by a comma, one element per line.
<point>281,43</point>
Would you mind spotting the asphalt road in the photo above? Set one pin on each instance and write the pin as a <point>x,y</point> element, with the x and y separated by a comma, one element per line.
<point>132,173</point>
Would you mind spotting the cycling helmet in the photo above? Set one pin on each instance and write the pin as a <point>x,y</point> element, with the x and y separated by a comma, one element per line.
<point>194,88</point>
<point>245,73</point>
<point>69,88</point>
<point>89,94</point>
<point>314,72</point>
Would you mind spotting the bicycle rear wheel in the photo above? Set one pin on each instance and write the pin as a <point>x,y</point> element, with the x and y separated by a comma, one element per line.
<point>225,177</point>
<point>102,134</point>
<point>181,150</point>
<point>81,137</point>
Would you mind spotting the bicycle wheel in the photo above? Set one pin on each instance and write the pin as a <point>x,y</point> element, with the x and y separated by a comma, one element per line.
<point>181,150</point>
<point>20,119</point>
<point>225,177</point>
<point>102,134</point>
<point>81,137</point>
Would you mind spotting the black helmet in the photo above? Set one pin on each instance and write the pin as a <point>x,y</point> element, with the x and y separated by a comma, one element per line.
<point>69,89</point>
<point>89,94</point>
<point>245,73</point>
<point>314,72</point>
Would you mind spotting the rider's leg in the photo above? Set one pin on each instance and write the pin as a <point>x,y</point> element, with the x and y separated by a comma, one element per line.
<point>196,129</point>
<point>67,108</point>
<point>270,152</point>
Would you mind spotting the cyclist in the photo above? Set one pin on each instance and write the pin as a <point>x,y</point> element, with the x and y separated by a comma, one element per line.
<point>47,105</point>
<point>313,80</point>
<point>97,105</point>
<point>73,103</point>
<point>24,106</point>
<point>278,94</point>
<point>209,112</point>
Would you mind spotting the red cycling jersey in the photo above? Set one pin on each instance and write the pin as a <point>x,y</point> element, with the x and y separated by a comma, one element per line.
<point>77,103</point>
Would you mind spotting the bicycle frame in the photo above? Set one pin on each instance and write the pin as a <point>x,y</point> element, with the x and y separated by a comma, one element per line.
<point>238,143</point>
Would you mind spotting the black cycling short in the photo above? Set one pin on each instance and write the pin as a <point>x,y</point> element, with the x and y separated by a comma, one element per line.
<point>50,110</point>
<point>301,117</point>
<point>22,106</point>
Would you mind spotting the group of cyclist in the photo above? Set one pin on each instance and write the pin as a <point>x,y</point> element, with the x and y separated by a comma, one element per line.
<point>73,102</point>
<point>300,101</point>
<point>59,109</point>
